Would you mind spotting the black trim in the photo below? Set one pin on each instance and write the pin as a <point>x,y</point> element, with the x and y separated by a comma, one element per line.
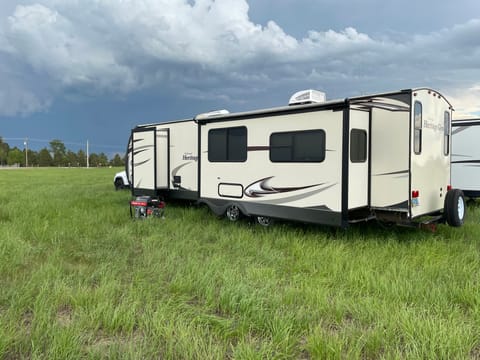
<point>466,122</point>
<point>466,162</point>
<point>410,148</point>
<point>393,173</point>
<point>471,193</point>
<point>155,180</point>
<point>144,126</point>
<point>401,205</point>
<point>345,162</point>
<point>337,105</point>
<point>369,158</point>
<point>316,215</point>
<point>258,148</point>
<point>227,196</point>
<point>199,152</point>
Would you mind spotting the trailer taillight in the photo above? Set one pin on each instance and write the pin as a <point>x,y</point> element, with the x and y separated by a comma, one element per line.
<point>415,194</point>
<point>449,187</point>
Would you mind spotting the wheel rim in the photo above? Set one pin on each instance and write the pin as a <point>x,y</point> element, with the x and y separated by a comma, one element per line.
<point>461,207</point>
<point>264,220</point>
<point>233,213</point>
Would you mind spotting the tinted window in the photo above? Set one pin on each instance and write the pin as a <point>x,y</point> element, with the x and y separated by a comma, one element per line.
<point>446,132</point>
<point>227,144</point>
<point>298,146</point>
<point>417,132</point>
<point>358,145</point>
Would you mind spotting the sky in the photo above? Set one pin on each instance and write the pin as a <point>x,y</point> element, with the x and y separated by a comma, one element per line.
<point>79,70</point>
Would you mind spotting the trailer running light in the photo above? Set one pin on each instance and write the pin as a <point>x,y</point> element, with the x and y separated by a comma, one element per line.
<point>415,194</point>
<point>449,187</point>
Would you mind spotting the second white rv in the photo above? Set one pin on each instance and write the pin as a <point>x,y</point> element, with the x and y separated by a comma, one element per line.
<point>384,156</point>
<point>466,156</point>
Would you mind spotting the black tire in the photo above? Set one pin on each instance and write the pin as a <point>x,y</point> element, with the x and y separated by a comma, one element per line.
<point>454,208</point>
<point>119,184</point>
<point>264,220</point>
<point>233,212</point>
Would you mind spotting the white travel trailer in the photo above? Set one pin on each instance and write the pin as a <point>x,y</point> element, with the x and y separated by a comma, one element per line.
<point>383,156</point>
<point>466,156</point>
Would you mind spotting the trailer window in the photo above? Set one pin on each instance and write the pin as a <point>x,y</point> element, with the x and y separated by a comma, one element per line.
<point>227,144</point>
<point>298,146</point>
<point>417,132</point>
<point>358,145</point>
<point>446,132</point>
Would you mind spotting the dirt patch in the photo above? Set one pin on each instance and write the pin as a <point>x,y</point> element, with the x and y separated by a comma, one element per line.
<point>27,320</point>
<point>64,315</point>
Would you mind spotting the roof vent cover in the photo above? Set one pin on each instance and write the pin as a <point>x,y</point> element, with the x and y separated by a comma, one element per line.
<point>212,114</point>
<point>307,97</point>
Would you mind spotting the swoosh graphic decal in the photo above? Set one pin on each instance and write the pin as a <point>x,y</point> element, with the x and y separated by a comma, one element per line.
<point>459,129</point>
<point>175,170</point>
<point>139,151</point>
<point>141,162</point>
<point>393,173</point>
<point>261,188</point>
<point>301,197</point>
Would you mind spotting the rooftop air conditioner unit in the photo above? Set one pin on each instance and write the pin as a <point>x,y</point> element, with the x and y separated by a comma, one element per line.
<point>307,97</point>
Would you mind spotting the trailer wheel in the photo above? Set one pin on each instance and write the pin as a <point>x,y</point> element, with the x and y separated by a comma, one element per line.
<point>454,209</point>
<point>264,220</point>
<point>233,212</point>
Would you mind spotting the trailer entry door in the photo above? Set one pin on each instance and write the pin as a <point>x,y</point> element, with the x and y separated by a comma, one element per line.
<point>358,159</point>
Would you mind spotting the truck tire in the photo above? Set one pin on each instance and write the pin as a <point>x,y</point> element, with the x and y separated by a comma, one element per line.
<point>454,208</point>
<point>118,184</point>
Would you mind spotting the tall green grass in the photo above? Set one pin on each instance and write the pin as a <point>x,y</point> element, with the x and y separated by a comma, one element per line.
<point>80,279</point>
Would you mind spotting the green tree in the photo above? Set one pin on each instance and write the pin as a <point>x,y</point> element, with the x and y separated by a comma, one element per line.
<point>16,157</point>
<point>4,148</point>
<point>57,147</point>
<point>93,160</point>
<point>72,159</point>
<point>102,159</point>
<point>32,158</point>
<point>82,158</point>
<point>117,161</point>
<point>44,158</point>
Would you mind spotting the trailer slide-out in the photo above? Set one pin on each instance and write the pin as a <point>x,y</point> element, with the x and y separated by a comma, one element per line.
<point>384,156</point>
<point>466,156</point>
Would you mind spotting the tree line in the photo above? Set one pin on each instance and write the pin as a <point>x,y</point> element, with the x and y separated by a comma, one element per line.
<point>55,155</point>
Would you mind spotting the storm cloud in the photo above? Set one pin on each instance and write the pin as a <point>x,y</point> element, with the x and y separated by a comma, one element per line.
<point>72,49</point>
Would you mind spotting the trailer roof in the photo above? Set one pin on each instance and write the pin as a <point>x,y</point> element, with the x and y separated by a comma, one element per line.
<point>331,104</point>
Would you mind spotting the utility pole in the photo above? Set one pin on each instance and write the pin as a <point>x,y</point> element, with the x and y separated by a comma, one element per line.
<point>87,156</point>
<point>26,151</point>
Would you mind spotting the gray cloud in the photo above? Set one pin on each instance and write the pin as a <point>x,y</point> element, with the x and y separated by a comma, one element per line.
<point>211,49</point>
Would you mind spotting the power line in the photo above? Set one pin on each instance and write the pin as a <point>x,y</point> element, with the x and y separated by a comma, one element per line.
<point>69,143</point>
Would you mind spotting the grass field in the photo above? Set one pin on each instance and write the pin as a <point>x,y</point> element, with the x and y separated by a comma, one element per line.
<point>80,279</point>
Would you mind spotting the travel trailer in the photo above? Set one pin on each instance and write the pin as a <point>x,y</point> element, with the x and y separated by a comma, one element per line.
<point>466,156</point>
<point>384,156</point>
